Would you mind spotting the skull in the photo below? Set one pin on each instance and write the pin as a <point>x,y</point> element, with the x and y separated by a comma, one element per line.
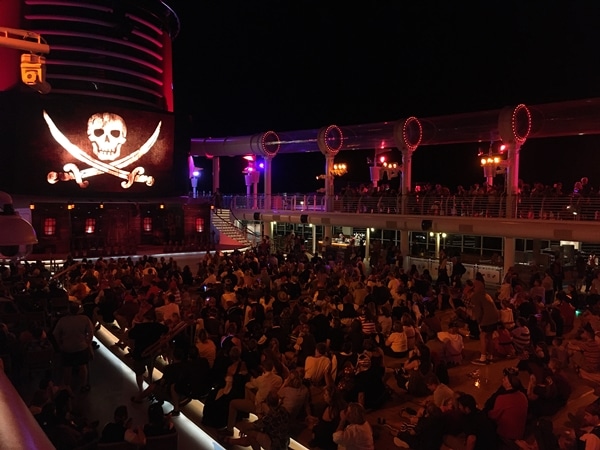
<point>107,132</point>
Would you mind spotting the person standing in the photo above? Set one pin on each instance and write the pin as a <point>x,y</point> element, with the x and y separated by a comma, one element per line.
<point>486,315</point>
<point>73,334</point>
<point>145,335</point>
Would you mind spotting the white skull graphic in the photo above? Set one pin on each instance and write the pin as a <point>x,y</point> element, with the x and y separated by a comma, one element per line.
<point>107,132</point>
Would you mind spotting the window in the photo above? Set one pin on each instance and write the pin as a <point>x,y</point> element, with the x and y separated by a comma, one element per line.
<point>49,226</point>
<point>90,225</point>
<point>147,224</point>
<point>199,224</point>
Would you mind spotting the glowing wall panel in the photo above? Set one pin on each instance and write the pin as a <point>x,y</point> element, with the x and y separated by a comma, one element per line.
<point>60,147</point>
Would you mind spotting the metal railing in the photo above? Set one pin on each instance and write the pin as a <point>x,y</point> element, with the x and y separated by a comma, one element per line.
<point>493,205</point>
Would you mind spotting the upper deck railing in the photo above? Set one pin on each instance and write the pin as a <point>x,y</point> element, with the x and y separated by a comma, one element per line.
<point>543,207</point>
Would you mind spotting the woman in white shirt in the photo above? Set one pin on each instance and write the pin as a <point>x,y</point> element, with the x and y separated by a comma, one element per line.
<point>396,345</point>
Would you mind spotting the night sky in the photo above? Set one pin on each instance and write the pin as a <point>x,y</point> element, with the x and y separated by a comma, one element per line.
<point>244,67</point>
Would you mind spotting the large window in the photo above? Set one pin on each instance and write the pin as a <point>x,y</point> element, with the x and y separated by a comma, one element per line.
<point>147,224</point>
<point>49,226</point>
<point>199,224</point>
<point>90,225</point>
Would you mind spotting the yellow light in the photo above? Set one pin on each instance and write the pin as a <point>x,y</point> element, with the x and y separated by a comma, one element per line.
<point>483,161</point>
<point>32,206</point>
<point>444,235</point>
<point>101,205</point>
<point>496,160</point>
<point>161,206</point>
<point>431,234</point>
<point>70,206</point>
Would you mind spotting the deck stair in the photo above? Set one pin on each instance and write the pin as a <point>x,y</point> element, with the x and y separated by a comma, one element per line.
<point>229,232</point>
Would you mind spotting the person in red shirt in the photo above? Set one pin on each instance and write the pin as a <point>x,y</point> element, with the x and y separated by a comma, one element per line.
<point>508,406</point>
<point>567,311</point>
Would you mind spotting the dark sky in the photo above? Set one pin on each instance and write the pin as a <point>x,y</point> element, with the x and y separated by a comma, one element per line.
<point>243,67</point>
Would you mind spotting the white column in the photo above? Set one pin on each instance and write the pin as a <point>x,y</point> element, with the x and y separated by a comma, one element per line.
<point>216,168</point>
<point>268,168</point>
<point>329,193</point>
<point>509,253</point>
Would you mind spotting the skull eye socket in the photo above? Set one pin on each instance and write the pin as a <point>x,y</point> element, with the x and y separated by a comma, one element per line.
<point>98,132</point>
<point>115,133</point>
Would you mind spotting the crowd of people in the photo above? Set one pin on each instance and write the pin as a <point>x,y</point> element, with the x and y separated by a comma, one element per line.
<point>304,342</point>
<point>534,201</point>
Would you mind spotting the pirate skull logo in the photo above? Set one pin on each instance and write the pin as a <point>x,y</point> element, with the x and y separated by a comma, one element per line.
<point>108,133</point>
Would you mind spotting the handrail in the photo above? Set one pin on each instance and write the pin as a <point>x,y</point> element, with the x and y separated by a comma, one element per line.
<point>497,205</point>
<point>245,229</point>
<point>18,427</point>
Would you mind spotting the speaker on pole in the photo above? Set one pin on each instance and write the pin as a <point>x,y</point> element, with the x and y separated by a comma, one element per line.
<point>303,218</point>
<point>256,216</point>
<point>426,225</point>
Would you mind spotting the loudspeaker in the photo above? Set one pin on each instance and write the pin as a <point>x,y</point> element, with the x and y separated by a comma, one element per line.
<point>256,216</point>
<point>426,225</point>
<point>303,218</point>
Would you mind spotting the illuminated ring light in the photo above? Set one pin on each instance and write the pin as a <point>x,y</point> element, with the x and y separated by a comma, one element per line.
<point>412,133</point>
<point>330,140</point>
<point>514,124</point>
<point>269,144</point>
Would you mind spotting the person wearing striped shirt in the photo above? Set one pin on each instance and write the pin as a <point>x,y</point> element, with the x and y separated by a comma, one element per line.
<point>521,336</point>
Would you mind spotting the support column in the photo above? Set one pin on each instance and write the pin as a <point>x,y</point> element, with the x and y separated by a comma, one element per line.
<point>512,179</point>
<point>367,245</point>
<point>406,178</point>
<point>267,230</point>
<point>329,193</point>
<point>268,194</point>
<point>405,248</point>
<point>314,239</point>
<point>216,168</point>
<point>509,253</point>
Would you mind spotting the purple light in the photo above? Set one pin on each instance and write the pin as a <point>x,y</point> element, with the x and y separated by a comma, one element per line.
<point>261,165</point>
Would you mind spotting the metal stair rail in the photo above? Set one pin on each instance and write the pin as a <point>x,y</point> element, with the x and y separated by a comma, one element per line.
<point>221,220</point>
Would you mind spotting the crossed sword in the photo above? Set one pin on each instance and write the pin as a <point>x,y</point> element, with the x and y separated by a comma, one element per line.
<point>98,167</point>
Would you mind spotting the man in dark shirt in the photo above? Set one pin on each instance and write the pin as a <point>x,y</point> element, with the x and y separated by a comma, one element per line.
<point>122,430</point>
<point>319,325</point>
<point>145,335</point>
<point>478,430</point>
<point>165,388</point>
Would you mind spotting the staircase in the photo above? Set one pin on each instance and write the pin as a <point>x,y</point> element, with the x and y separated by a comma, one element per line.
<point>229,234</point>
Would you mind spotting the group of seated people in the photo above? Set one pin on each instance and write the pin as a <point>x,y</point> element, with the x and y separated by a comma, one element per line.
<point>51,406</point>
<point>316,335</point>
